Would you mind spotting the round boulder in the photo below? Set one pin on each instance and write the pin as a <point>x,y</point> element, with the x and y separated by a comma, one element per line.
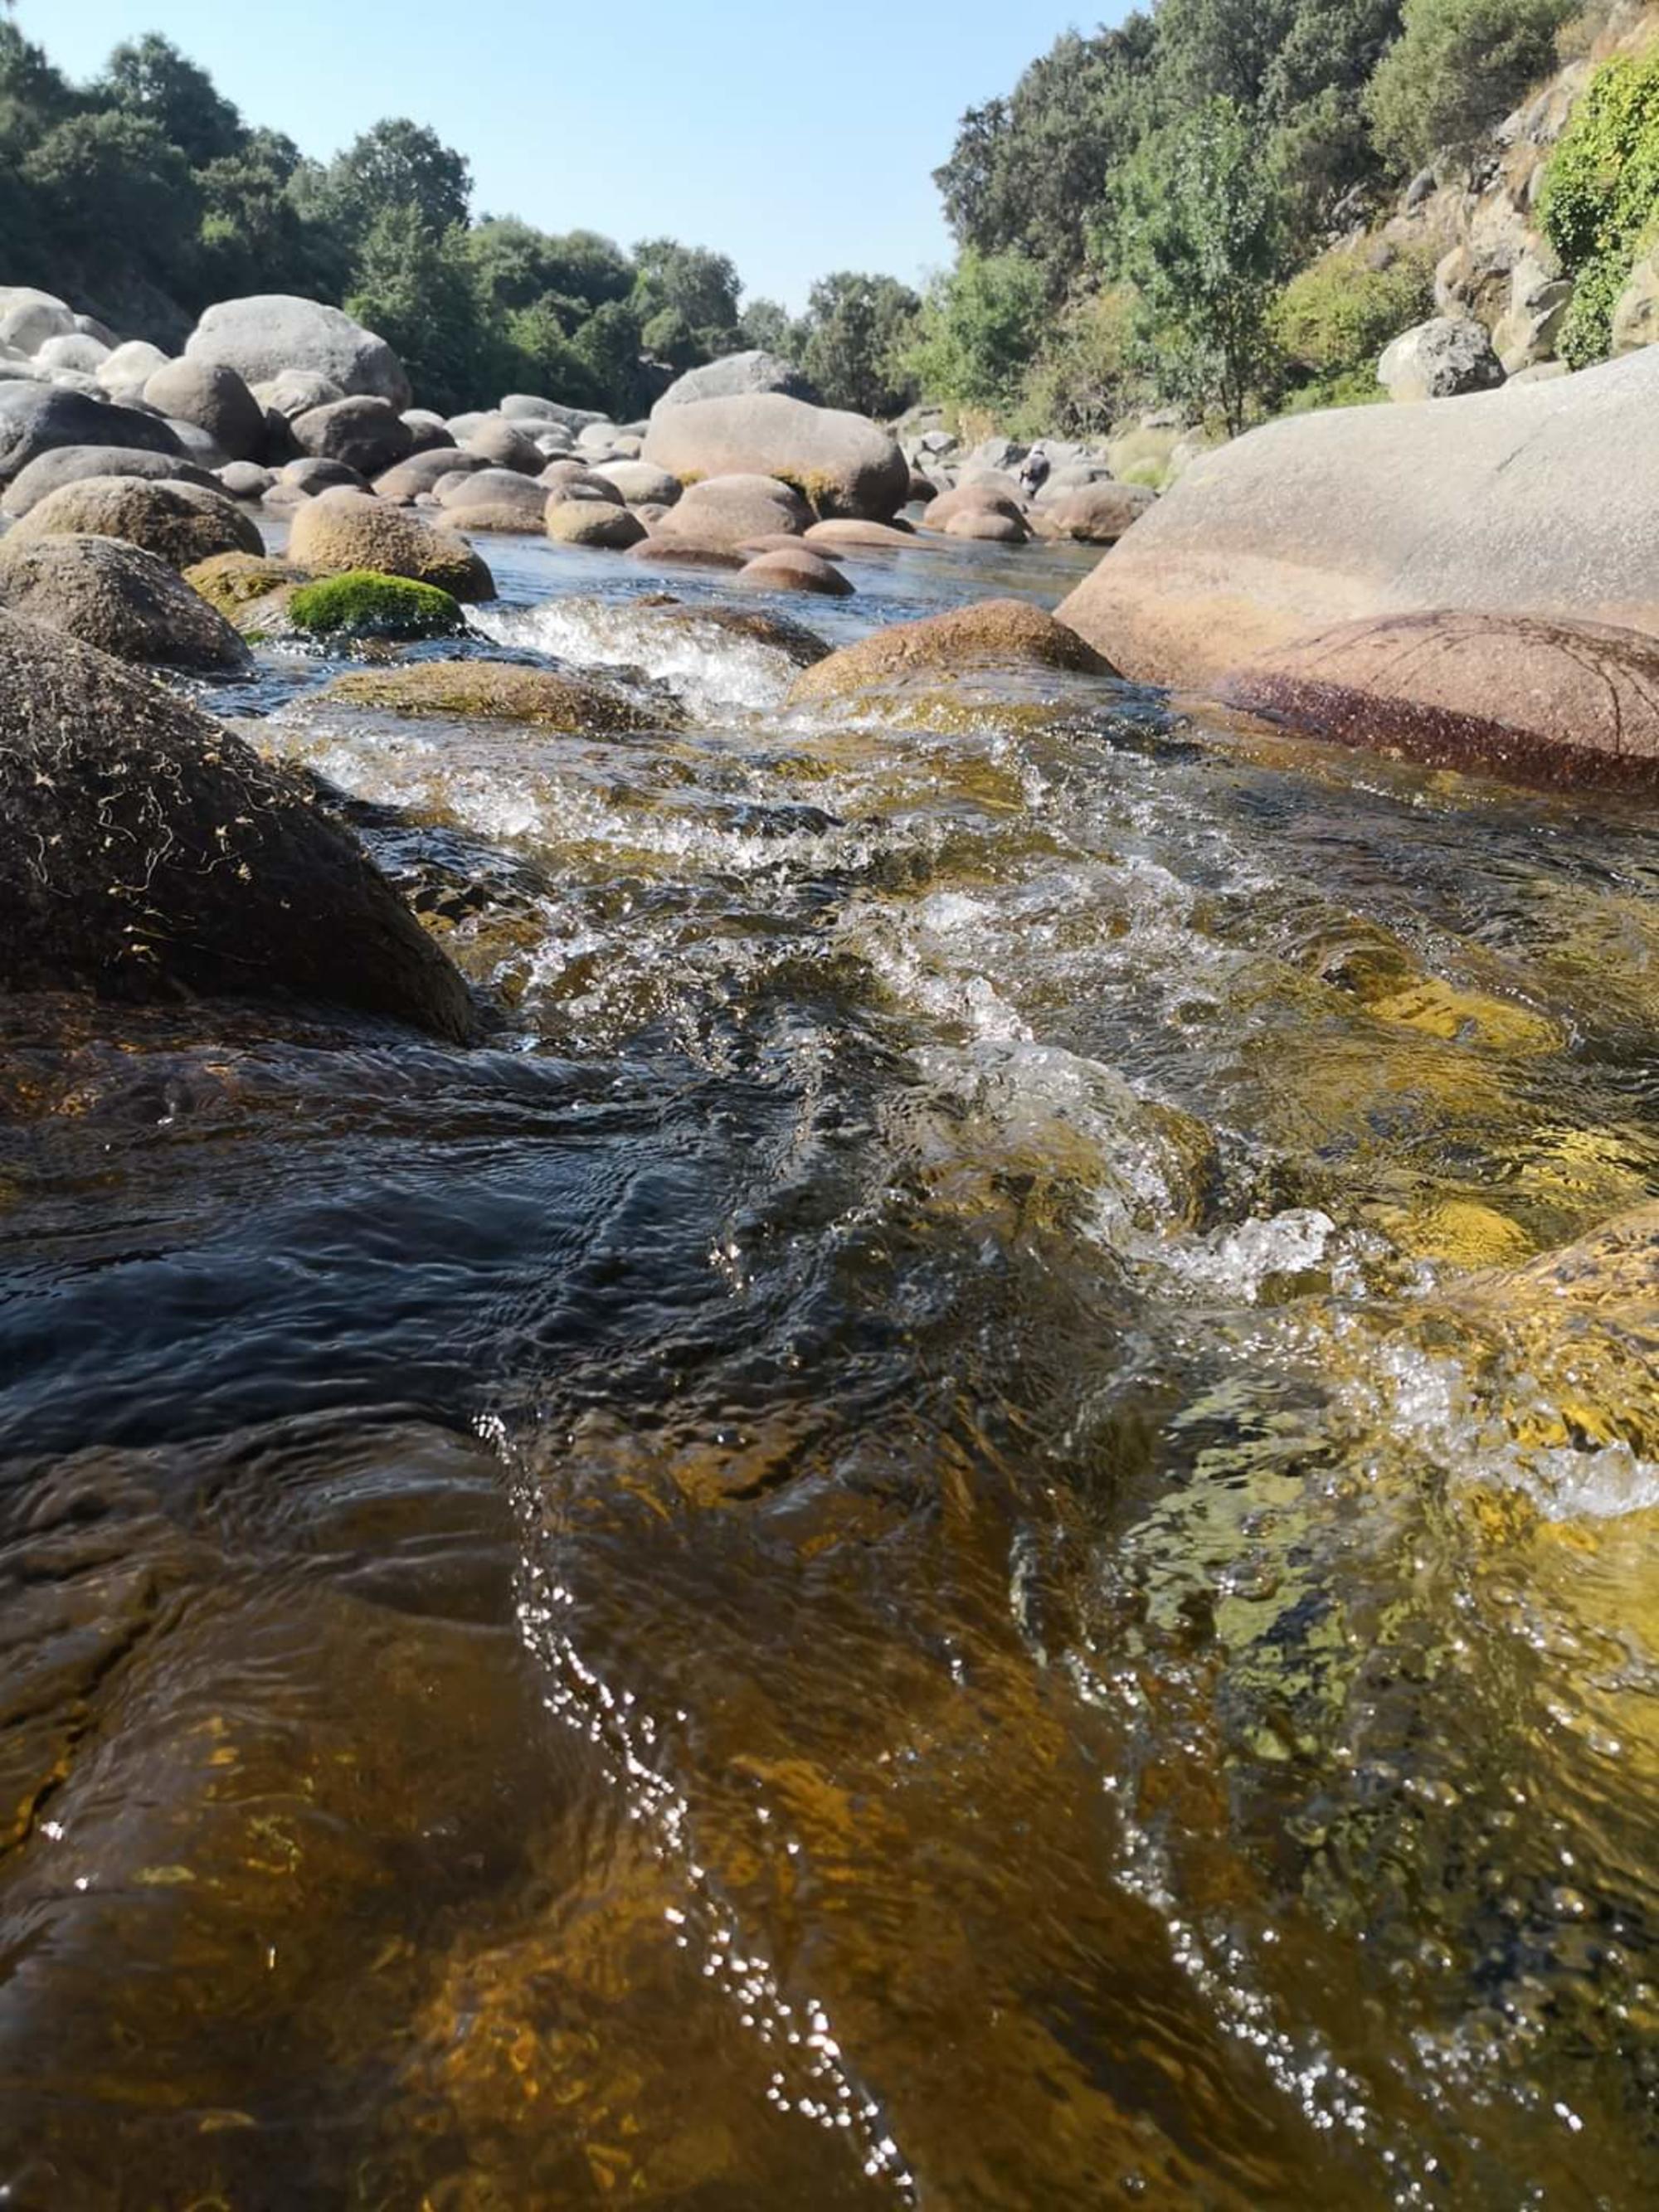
<point>28,319</point>
<point>493,499</point>
<point>737,375</point>
<point>728,512</point>
<point>1439,360</point>
<point>66,464</point>
<point>126,371</point>
<point>841,463</point>
<point>575,480</point>
<point>366,435</point>
<point>500,444</point>
<point>848,536</point>
<point>262,336</point>
<point>792,568</point>
<point>215,399</point>
<point>245,480</point>
<point>429,432</point>
<point>179,523</point>
<point>591,522</point>
<point>996,634</point>
<point>1098,514</point>
<point>500,692</point>
<point>83,356</point>
<point>296,391</point>
<point>641,483</point>
<point>117,596</point>
<point>423,471</point>
<point>151,851</point>
<point>35,418</point>
<point>345,529</point>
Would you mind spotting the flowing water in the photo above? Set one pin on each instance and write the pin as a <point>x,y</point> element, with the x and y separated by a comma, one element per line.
<point>945,1533</point>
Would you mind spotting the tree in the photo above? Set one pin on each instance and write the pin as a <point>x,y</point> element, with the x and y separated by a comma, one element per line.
<point>417,288</point>
<point>149,78</point>
<point>978,330</point>
<point>687,302</point>
<point>1200,234</point>
<point>111,187</point>
<point>399,164</point>
<point>1457,66</point>
<point>857,329</point>
<point>253,234</point>
<point>764,326</point>
<point>522,267</point>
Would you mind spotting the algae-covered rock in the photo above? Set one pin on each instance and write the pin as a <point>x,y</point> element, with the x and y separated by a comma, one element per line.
<point>502,692</point>
<point>251,590</point>
<point>363,604</point>
<point>997,634</point>
<point>180,523</point>
<point>151,852</point>
<point>349,530</point>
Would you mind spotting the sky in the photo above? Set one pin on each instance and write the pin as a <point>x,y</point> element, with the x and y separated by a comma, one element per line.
<point>796,139</point>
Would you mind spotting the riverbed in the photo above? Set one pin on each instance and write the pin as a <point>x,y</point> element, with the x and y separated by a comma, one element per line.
<point>935,1536</point>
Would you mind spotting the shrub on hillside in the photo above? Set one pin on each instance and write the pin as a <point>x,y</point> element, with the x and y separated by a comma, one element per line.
<point>1458,67</point>
<point>1599,205</point>
<point>1334,319</point>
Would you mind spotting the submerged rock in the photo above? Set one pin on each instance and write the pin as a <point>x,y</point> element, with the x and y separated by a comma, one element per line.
<point>502,692</point>
<point>1551,702</point>
<point>997,634</point>
<point>346,529</point>
<point>151,853</point>
<point>119,597</point>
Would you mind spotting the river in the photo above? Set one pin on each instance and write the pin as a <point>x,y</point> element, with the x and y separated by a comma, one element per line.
<point>937,1536</point>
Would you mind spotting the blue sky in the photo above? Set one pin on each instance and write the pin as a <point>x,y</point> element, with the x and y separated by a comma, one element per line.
<point>798,139</point>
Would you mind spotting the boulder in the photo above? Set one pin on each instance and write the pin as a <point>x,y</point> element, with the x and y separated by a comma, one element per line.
<point>575,480</point>
<point>590,522</point>
<point>151,851</point>
<point>1440,359</point>
<point>28,319</point>
<point>737,376</point>
<point>1099,513</point>
<point>523,407</point>
<point>206,452</point>
<point>245,480</point>
<point>848,537</point>
<point>640,482</point>
<point>366,434</point>
<point>504,490</point>
<point>1537,499</point>
<point>1636,311</point>
<point>663,552</point>
<point>1539,299</point>
<point>216,400</point>
<point>500,444</point>
<point>727,512</point>
<point>424,471</point>
<point>361,603</point>
<point>800,646</point>
<point>250,590</point>
<point>126,371</point>
<point>988,495</point>
<point>179,523</point>
<point>502,692</point>
<point>989,526</point>
<point>261,337</point>
<point>84,355</point>
<point>296,391</point>
<point>794,568</point>
<point>310,479</point>
<point>35,418</point>
<point>66,464</point>
<point>840,463</point>
<point>1551,702</point>
<point>996,634</point>
<point>345,529</point>
<point>117,596</point>
<point>427,433</point>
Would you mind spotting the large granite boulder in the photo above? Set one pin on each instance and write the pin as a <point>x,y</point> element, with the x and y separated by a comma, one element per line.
<point>367,435</point>
<point>216,400</point>
<point>179,523</point>
<point>344,529</point>
<point>126,371</point>
<point>1441,359</point>
<point>295,392</point>
<point>727,512</point>
<point>262,336</point>
<point>66,464</point>
<point>35,418</point>
<point>28,319</point>
<point>149,851</point>
<point>1536,500</point>
<point>1097,514</point>
<point>1636,311</point>
<point>840,464</point>
<point>119,597</point>
<point>1551,702</point>
<point>737,376</point>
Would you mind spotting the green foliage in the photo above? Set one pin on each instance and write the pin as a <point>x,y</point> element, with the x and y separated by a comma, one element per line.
<point>767,327</point>
<point>1599,205</point>
<point>149,78</point>
<point>1201,235</point>
<point>110,182</point>
<point>418,289</point>
<point>856,332</point>
<point>686,298</point>
<point>1084,375</point>
<point>398,165</point>
<point>1457,67</point>
<point>978,329</point>
<point>363,603</point>
<point>1335,318</point>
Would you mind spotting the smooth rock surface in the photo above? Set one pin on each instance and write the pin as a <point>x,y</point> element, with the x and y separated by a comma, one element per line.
<point>263,334</point>
<point>35,418</point>
<point>216,400</point>
<point>345,529</point>
<point>736,375</point>
<point>119,597</point>
<point>841,464</point>
<point>66,464</point>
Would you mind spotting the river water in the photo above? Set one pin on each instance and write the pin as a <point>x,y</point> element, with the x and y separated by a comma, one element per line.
<point>938,1536</point>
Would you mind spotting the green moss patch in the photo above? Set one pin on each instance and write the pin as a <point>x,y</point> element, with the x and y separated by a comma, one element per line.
<point>363,603</point>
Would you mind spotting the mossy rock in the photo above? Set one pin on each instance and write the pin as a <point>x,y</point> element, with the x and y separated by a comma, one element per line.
<point>362,602</point>
<point>252,591</point>
<point>503,691</point>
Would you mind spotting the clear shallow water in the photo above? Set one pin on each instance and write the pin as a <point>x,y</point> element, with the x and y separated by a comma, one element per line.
<point>942,1535</point>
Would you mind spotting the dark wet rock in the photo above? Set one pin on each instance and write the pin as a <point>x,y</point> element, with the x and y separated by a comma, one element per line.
<point>500,692</point>
<point>1543,701</point>
<point>151,853</point>
<point>67,464</point>
<point>182,523</point>
<point>36,417</point>
<point>345,530</point>
<point>117,596</point>
<point>365,433</point>
<point>310,476</point>
<point>804,646</point>
<point>999,633</point>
